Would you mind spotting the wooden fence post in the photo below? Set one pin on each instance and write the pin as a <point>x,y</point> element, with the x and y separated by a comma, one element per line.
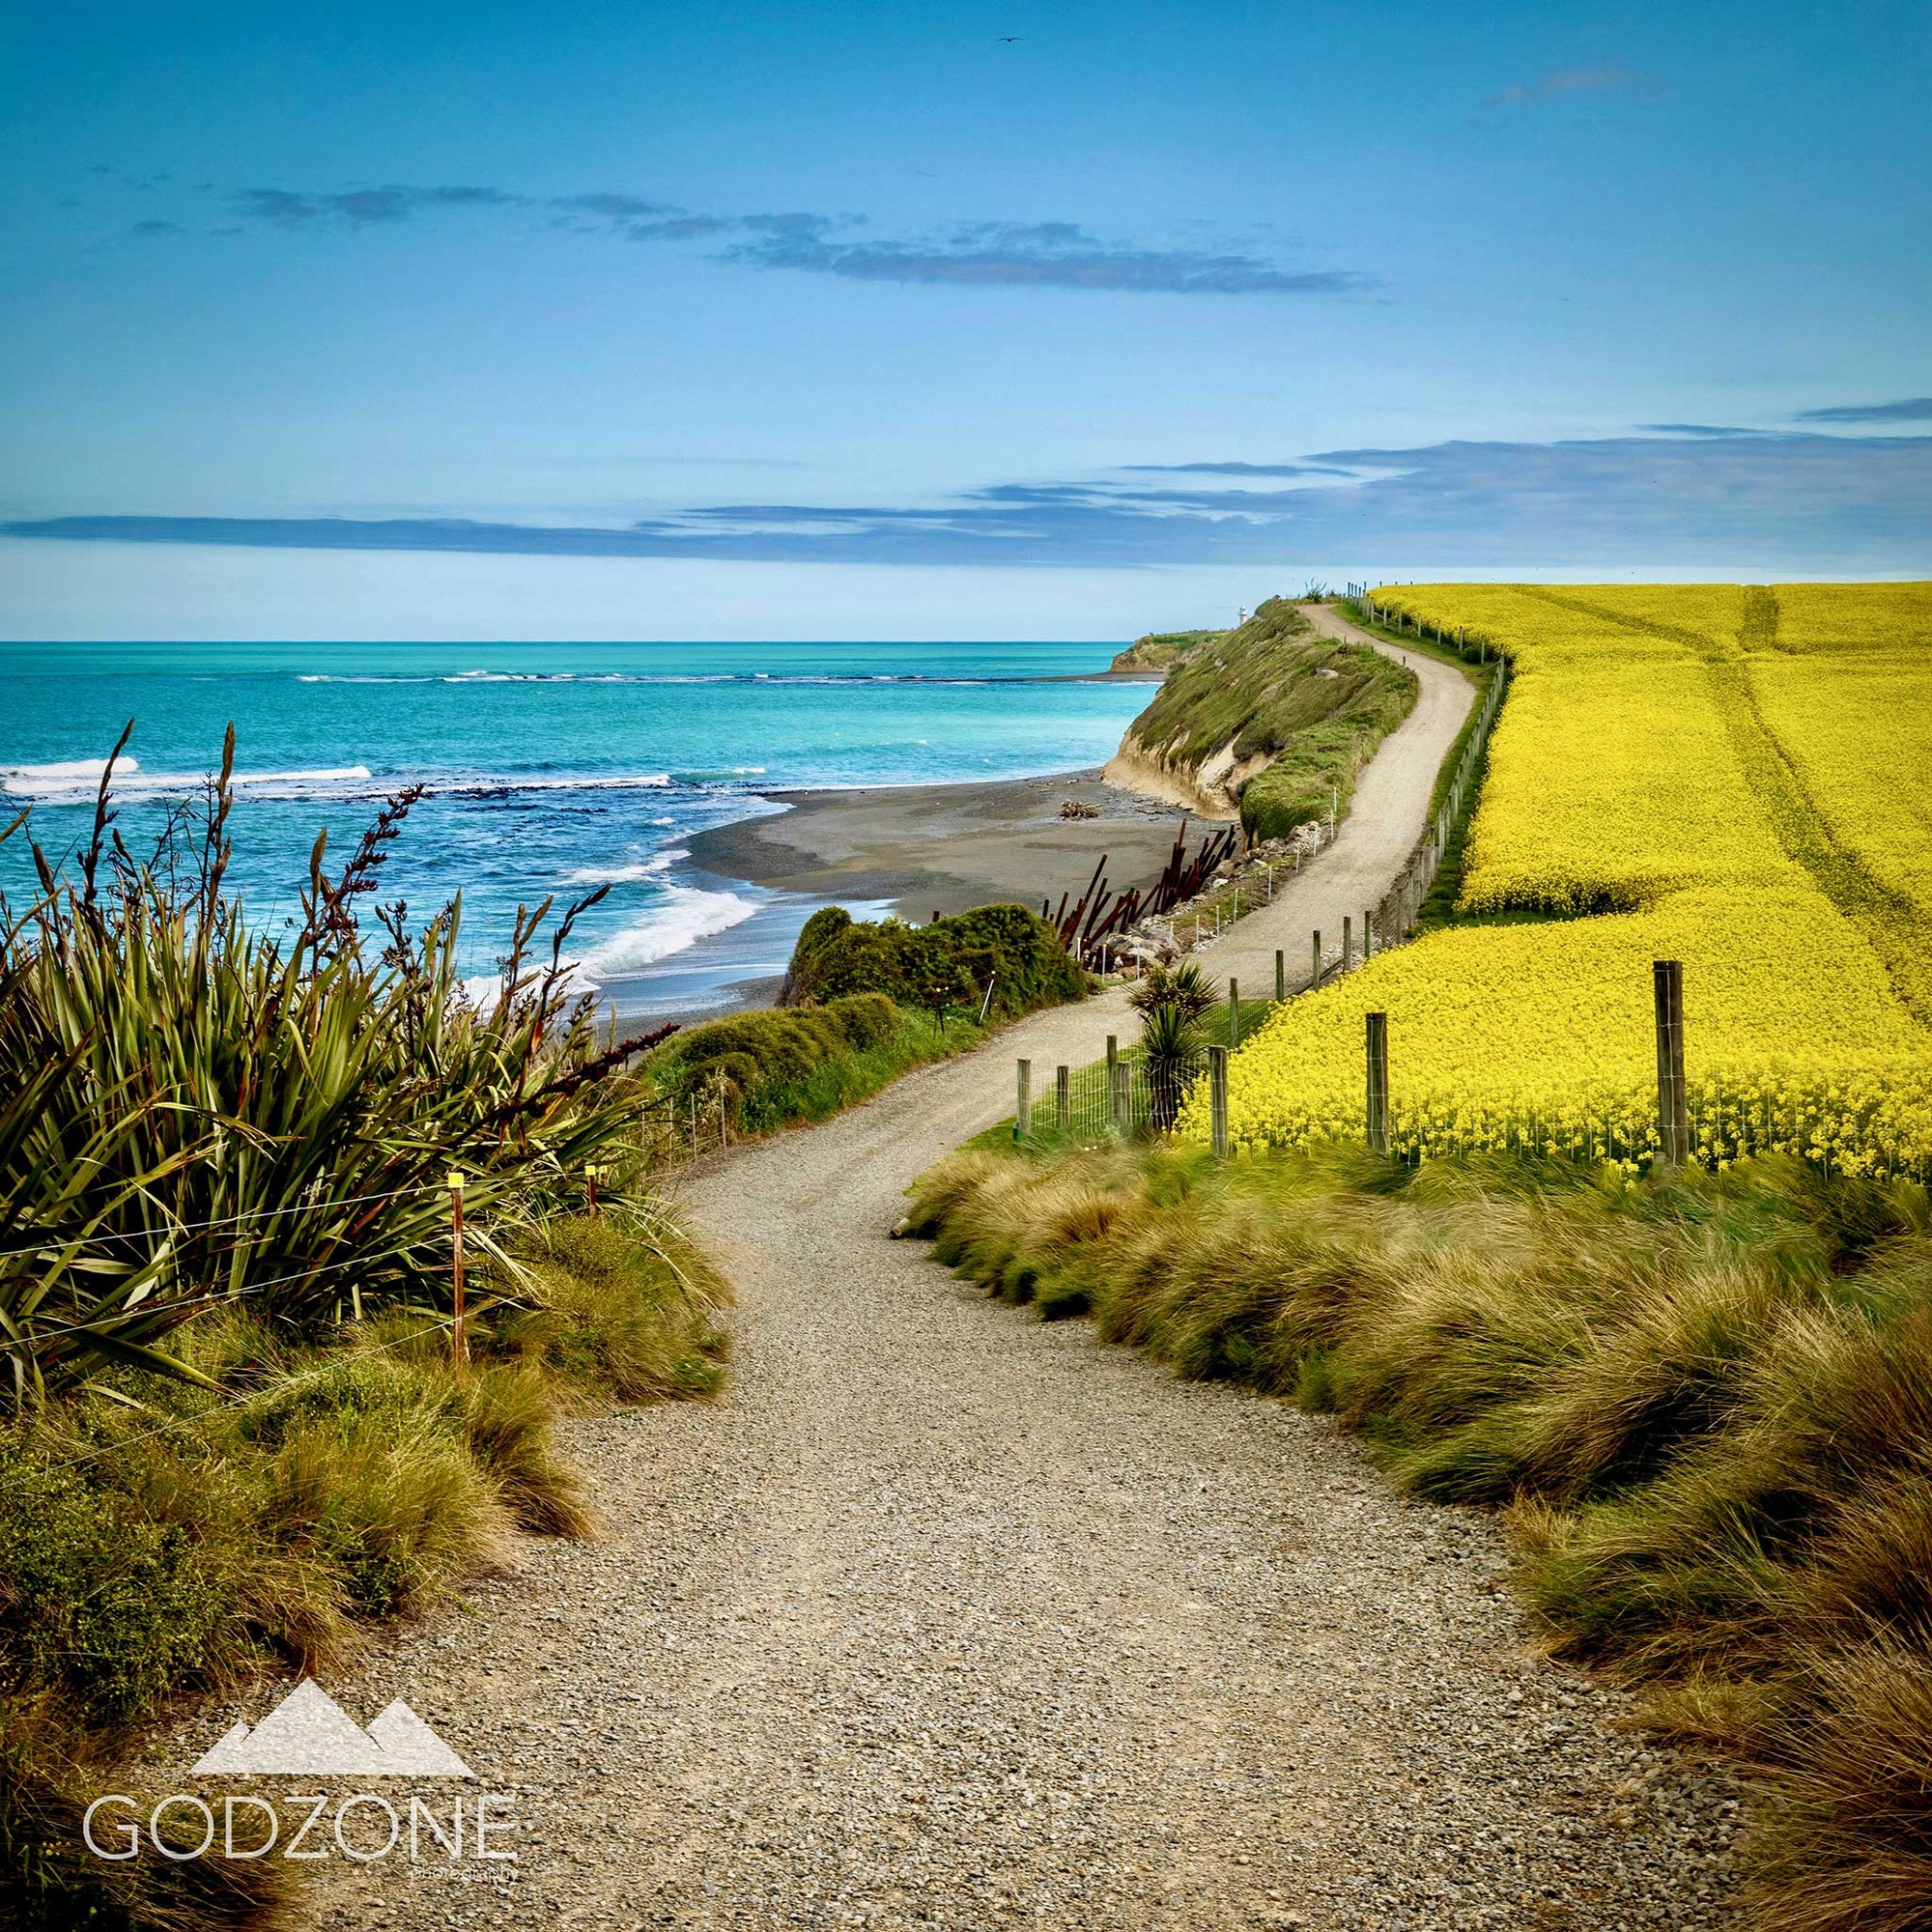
<point>1063,1098</point>
<point>1315,977</point>
<point>1673,1121</point>
<point>1368,935</point>
<point>1217,1098</point>
<point>1347,941</point>
<point>1280,975</point>
<point>1378,1081</point>
<point>1233,1011</point>
<point>1023,1111</point>
<point>459,1342</point>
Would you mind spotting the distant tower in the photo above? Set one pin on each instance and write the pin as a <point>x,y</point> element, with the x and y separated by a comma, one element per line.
<point>1244,617</point>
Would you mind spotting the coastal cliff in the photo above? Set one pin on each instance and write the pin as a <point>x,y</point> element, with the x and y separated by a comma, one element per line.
<point>1159,650</point>
<point>1269,723</point>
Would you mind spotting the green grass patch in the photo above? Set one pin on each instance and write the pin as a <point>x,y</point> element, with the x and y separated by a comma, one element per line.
<point>772,1068</point>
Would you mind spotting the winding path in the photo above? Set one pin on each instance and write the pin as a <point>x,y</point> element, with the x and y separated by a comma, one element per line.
<point>944,1618</point>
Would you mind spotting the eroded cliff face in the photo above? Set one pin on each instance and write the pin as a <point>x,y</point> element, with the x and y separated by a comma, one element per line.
<point>1210,789</point>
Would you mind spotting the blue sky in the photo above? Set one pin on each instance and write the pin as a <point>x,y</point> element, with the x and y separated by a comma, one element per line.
<point>439,320</point>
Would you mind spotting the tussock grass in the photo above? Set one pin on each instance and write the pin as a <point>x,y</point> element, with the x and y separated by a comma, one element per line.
<point>158,1535</point>
<point>1704,1403</point>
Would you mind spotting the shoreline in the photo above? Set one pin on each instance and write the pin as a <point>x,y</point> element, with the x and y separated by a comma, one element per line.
<point>945,847</point>
<point>913,850</point>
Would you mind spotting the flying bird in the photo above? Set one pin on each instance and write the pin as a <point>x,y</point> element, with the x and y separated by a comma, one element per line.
<point>1009,40</point>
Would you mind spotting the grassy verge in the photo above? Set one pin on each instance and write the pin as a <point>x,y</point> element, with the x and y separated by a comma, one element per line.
<point>1703,1401</point>
<point>158,1535</point>
<point>1087,1087</point>
<point>757,1072</point>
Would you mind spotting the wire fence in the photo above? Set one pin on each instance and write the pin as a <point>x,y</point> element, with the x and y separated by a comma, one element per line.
<point>1122,1096</point>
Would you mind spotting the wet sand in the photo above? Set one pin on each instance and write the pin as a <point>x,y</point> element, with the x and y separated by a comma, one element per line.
<point>946,847</point>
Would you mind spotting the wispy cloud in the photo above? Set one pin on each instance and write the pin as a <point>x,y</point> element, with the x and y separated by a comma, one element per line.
<point>1564,80</point>
<point>1233,470</point>
<point>1055,254</point>
<point>1720,431</point>
<point>1913,409</point>
<point>1798,501</point>
<point>1043,254</point>
<point>361,206</point>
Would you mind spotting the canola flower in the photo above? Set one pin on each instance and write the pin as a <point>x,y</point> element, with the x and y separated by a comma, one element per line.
<point>1541,1037</point>
<point>1739,778</point>
<point>1614,777</point>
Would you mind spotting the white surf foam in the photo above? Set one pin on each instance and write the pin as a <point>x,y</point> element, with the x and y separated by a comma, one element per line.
<point>323,775</point>
<point>633,782</point>
<point>624,875</point>
<point>685,915</point>
<point>71,768</point>
<point>65,783</point>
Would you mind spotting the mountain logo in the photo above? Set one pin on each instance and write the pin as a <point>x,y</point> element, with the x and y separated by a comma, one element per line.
<point>308,1734</point>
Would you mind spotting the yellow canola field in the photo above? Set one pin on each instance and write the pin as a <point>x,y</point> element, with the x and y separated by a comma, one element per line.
<point>1737,778</point>
<point>1613,778</point>
<point>1611,781</point>
<point>1541,1035</point>
<point>1863,616</point>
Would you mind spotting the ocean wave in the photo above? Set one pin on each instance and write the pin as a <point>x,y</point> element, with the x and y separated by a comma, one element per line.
<point>78,781</point>
<point>652,867</point>
<point>490,786</point>
<point>67,770</point>
<point>323,775</point>
<point>776,678</point>
<point>75,783</point>
<point>685,915</point>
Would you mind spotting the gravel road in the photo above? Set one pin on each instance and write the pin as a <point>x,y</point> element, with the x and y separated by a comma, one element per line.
<point>944,1618</point>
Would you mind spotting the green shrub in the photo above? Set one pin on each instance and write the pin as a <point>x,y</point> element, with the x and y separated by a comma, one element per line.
<point>98,1602</point>
<point>953,961</point>
<point>865,1019</point>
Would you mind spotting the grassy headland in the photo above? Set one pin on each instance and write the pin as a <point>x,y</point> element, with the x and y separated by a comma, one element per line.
<point>1160,650</point>
<point>1271,720</point>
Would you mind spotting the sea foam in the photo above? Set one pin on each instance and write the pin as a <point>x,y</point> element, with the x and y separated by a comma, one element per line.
<point>624,875</point>
<point>685,915</point>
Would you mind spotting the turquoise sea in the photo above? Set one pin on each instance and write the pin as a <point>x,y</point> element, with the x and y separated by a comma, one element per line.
<point>552,768</point>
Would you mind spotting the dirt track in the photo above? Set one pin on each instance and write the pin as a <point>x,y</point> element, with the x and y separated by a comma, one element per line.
<point>944,1618</point>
